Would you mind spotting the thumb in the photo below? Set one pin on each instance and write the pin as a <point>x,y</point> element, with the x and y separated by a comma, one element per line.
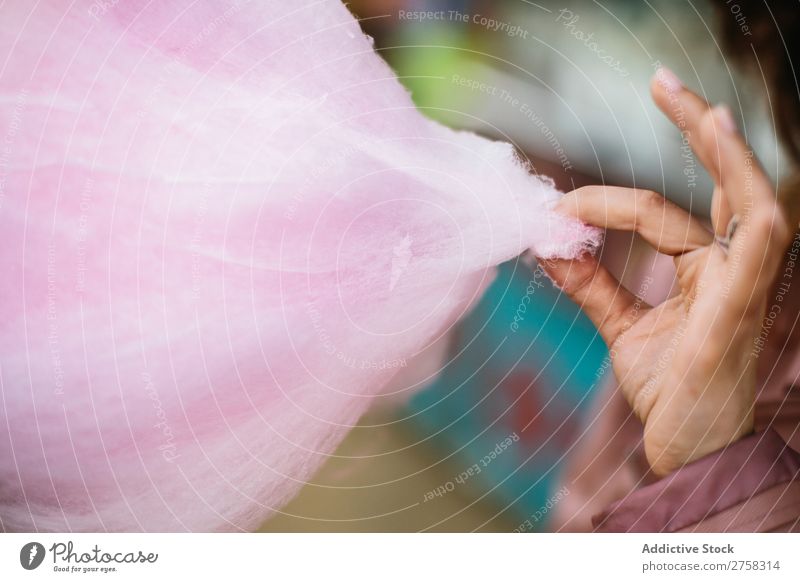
<point>589,284</point>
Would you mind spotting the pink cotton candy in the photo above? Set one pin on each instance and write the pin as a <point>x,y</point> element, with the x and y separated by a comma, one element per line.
<point>225,231</point>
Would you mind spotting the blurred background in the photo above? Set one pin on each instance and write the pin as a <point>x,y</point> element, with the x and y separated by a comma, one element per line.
<point>482,449</point>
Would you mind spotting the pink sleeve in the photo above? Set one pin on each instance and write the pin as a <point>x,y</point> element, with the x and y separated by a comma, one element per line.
<point>751,485</point>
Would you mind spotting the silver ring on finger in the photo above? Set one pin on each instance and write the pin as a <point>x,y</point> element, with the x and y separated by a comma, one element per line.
<point>725,242</point>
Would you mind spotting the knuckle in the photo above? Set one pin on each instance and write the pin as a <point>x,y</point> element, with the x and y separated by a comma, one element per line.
<point>577,281</point>
<point>770,222</point>
<point>708,130</point>
<point>650,200</point>
<point>707,125</point>
<point>648,203</point>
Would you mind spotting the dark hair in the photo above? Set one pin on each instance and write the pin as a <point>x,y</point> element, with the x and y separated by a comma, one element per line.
<point>765,39</point>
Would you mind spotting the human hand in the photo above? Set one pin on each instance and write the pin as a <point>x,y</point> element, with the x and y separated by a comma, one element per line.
<point>687,366</point>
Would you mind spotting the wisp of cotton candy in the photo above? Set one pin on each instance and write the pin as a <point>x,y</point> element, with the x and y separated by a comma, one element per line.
<point>226,231</point>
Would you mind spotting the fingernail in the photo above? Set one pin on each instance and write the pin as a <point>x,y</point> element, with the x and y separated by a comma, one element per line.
<point>725,118</point>
<point>668,80</point>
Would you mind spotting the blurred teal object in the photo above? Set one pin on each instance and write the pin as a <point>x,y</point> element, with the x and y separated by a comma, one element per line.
<point>514,396</point>
<point>533,382</point>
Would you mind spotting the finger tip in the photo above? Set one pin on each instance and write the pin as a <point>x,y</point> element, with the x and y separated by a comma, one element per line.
<point>565,205</point>
<point>655,86</point>
<point>659,95</point>
<point>666,81</point>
